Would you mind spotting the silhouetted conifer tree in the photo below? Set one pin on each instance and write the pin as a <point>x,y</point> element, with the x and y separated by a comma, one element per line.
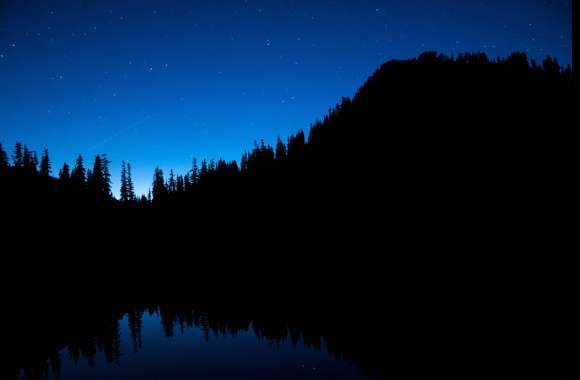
<point>296,146</point>
<point>45,166</point>
<point>130,186</point>
<point>106,175</point>
<point>29,160</point>
<point>127,192</point>
<point>17,156</point>
<point>187,186</point>
<point>159,190</point>
<point>194,173</point>
<point>171,184</point>
<point>203,171</point>
<point>96,179</point>
<point>3,158</point>
<point>64,173</point>
<point>79,174</point>
<point>280,150</point>
<point>179,184</point>
<point>89,177</point>
<point>100,179</point>
<point>551,65</point>
<point>124,192</point>
<point>244,162</point>
<point>34,162</point>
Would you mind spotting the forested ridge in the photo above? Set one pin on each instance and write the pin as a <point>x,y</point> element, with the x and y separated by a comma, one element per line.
<point>464,113</point>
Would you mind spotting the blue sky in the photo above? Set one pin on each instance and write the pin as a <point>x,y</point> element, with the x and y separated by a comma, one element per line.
<point>159,82</point>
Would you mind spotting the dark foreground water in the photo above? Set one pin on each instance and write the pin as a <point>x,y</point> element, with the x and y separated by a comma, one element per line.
<point>161,351</point>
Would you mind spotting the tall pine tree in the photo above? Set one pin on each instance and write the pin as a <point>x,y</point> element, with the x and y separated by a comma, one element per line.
<point>18,156</point>
<point>130,187</point>
<point>280,150</point>
<point>3,158</point>
<point>45,167</point>
<point>100,178</point>
<point>159,190</point>
<point>123,192</point>
<point>106,175</point>
<point>171,185</point>
<point>29,160</point>
<point>64,173</point>
<point>194,173</point>
<point>127,192</point>
<point>79,175</point>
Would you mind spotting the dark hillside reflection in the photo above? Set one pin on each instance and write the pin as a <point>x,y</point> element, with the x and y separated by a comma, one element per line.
<point>163,341</point>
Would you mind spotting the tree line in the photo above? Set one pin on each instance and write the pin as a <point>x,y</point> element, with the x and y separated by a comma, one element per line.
<point>285,164</point>
<point>96,178</point>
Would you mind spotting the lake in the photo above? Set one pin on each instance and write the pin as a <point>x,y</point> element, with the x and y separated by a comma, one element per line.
<point>165,343</point>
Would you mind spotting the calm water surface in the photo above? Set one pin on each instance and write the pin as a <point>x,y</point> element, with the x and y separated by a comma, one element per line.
<point>197,353</point>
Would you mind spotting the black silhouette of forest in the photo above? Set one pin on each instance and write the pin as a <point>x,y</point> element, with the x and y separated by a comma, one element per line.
<point>432,206</point>
<point>430,119</point>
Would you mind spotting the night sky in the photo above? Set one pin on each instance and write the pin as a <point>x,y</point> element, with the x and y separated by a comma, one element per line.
<point>159,82</point>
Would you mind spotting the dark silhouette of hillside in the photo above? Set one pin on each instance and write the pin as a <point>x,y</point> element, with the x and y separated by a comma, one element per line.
<point>439,192</point>
<point>413,124</point>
